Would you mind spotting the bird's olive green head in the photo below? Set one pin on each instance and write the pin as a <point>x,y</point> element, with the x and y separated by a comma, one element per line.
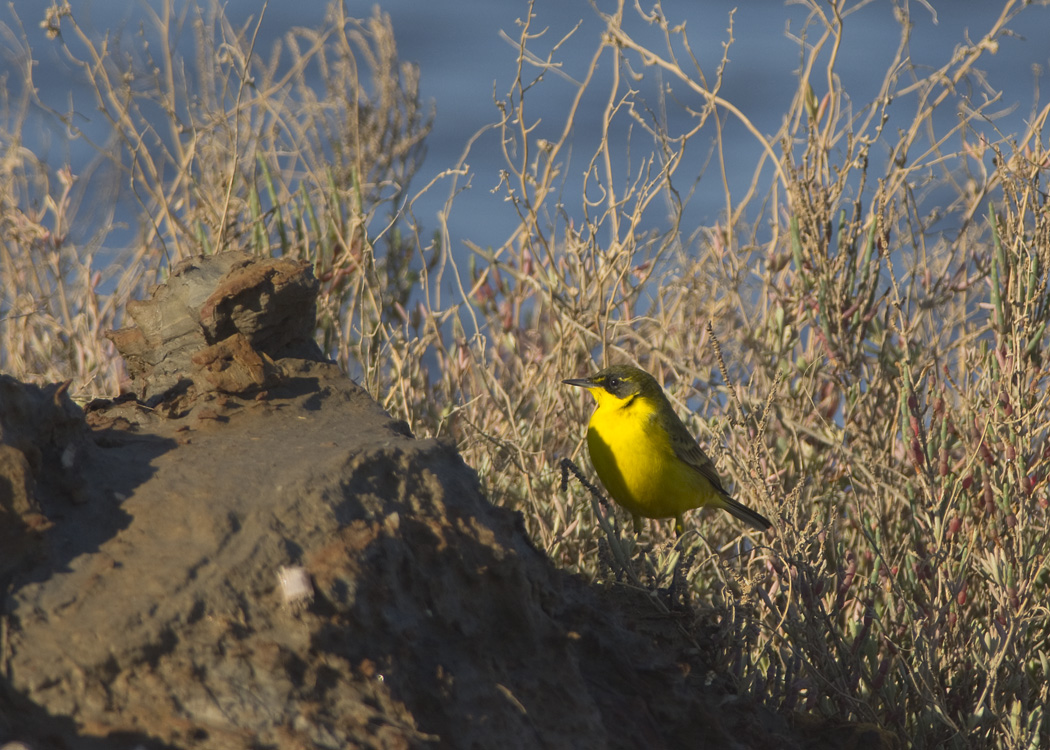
<point>622,382</point>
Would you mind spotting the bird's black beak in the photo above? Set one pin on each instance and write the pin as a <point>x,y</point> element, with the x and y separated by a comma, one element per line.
<point>581,382</point>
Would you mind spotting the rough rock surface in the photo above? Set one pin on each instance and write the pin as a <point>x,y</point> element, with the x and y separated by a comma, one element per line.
<point>219,322</point>
<point>152,614</point>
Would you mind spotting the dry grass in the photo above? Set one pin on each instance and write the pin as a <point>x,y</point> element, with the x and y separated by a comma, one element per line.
<point>870,357</point>
<point>300,150</point>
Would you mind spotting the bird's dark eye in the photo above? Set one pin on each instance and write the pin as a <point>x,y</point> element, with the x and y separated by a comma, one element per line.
<point>612,383</point>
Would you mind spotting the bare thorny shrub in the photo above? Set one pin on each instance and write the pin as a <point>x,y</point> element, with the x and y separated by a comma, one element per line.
<point>872,381</point>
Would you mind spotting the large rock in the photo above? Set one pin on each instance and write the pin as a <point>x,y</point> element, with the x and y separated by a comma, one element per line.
<point>166,617</point>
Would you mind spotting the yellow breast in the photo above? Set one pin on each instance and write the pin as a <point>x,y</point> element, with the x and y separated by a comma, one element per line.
<point>634,458</point>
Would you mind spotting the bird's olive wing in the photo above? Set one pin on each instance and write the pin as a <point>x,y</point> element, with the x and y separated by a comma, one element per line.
<point>689,451</point>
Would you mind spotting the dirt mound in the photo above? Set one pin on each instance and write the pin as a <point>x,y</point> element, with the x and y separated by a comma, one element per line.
<point>264,559</point>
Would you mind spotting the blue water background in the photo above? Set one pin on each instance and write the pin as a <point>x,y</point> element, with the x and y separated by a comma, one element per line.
<point>464,60</point>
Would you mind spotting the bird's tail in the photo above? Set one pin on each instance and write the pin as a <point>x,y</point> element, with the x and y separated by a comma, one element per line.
<point>745,514</point>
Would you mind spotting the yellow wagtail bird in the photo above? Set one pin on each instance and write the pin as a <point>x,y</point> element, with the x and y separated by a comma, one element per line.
<point>645,456</point>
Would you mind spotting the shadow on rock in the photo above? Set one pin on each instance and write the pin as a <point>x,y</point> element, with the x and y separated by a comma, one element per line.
<point>61,491</point>
<point>61,484</point>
